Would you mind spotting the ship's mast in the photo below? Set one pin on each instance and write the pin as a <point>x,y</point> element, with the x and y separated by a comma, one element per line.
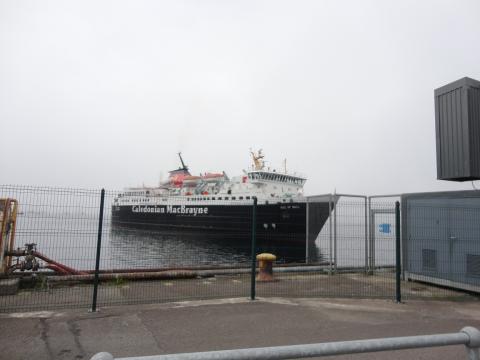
<point>184,167</point>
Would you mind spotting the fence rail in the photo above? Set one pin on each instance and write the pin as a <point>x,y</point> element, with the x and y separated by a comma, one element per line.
<point>468,336</point>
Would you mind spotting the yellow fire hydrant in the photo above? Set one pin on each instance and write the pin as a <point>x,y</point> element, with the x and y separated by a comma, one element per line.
<point>265,267</point>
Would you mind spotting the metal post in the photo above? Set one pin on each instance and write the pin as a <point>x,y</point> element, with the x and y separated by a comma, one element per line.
<point>99,246</point>
<point>307,244</point>
<point>398,294</point>
<point>335,234</point>
<point>371,230</point>
<point>254,246</point>
<point>373,241</point>
<point>330,232</point>
<point>366,236</point>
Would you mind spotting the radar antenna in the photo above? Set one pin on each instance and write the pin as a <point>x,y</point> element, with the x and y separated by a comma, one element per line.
<point>257,159</point>
<point>184,167</point>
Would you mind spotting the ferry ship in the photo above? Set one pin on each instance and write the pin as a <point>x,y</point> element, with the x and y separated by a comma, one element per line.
<point>221,207</point>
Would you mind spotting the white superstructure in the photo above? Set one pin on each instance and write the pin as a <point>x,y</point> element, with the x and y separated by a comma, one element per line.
<point>268,186</point>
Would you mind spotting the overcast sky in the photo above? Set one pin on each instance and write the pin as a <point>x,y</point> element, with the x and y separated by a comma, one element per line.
<point>105,93</point>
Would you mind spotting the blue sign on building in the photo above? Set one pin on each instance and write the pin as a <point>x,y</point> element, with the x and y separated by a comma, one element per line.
<point>384,228</point>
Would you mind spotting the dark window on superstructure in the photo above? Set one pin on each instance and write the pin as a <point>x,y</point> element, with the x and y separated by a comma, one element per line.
<point>226,197</point>
<point>229,192</point>
<point>219,198</point>
<point>213,197</point>
<point>240,198</point>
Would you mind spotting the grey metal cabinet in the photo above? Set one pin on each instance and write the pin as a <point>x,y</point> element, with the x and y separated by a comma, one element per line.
<point>441,238</point>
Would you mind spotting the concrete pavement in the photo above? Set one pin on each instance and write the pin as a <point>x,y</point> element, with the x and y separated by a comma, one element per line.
<point>231,323</point>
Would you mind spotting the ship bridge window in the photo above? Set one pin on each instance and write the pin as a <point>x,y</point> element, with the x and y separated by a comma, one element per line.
<point>233,197</point>
<point>219,198</point>
<point>248,197</point>
<point>226,197</point>
<point>240,198</point>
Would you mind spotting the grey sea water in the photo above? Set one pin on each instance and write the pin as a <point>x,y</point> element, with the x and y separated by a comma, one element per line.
<point>72,240</point>
<point>64,225</point>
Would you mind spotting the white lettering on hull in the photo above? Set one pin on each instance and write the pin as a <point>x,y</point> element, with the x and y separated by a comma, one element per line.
<point>170,209</point>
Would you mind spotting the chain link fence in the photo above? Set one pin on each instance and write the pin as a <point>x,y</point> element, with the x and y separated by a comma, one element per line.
<point>332,246</point>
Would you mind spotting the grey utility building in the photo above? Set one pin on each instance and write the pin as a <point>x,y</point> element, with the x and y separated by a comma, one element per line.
<point>441,238</point>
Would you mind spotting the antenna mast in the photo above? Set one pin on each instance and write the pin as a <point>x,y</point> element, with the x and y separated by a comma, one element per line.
<point>184,167</point>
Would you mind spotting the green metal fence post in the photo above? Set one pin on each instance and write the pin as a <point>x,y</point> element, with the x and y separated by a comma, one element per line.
<point>254,246</point>
<point>99,246</point>
<point>398,293</point>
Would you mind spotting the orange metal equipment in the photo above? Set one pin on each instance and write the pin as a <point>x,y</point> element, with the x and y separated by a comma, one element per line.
<point>8,222</point>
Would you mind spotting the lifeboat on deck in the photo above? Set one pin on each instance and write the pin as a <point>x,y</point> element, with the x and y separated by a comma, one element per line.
<point>191,181</point>
<point>213,177</point>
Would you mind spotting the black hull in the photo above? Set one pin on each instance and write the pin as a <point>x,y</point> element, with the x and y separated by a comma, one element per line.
<point>280,228</point>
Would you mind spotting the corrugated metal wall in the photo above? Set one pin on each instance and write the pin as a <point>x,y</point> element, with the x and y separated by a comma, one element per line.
<point>457,120</point>
<point>474,114</point>
<point>441,238</point>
